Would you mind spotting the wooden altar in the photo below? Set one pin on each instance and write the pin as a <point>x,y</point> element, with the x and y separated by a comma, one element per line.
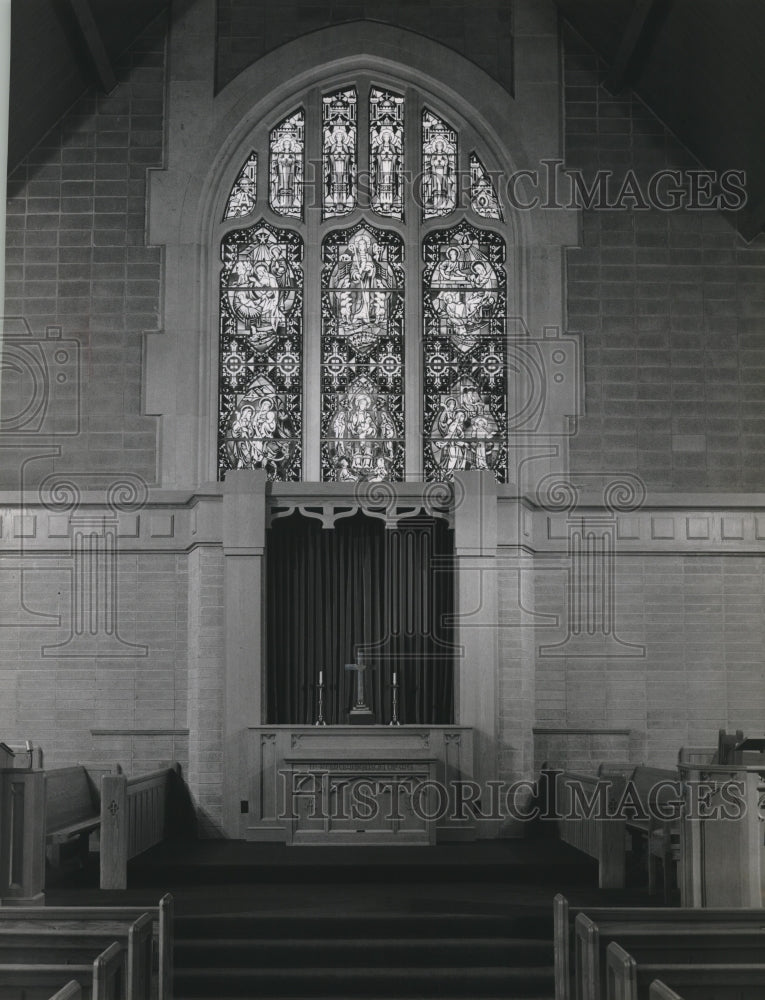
<point>302,780</point>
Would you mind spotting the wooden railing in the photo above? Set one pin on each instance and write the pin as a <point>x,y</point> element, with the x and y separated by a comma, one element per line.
<point>133,819</point>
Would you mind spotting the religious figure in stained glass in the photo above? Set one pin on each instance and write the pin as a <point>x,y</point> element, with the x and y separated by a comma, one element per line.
<point>386,152</point>
<point>363,434</point>
<point>286,166</point>
<point>465,432</point>
<point>362,355</point>
<point>362,289</point>
<point>260,432</point>
<point>483,198</point>
<point>439,166</point>
<point>261,351</point>
<point>463,290</point>
<point>464,352</point>
<point>339,144</point>
<point>244,193</point>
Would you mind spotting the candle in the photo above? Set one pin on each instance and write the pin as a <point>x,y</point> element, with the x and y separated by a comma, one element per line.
<point>321,677</point>
<point>394,676</point>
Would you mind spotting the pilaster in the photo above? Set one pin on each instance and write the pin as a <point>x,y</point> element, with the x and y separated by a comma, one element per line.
<point>244,526</point>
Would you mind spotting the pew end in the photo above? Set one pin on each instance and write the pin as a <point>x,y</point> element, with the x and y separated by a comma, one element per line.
<point>621,974</point>
<point>134,817</point>
<point>660,991</point>
<point>72,991</point>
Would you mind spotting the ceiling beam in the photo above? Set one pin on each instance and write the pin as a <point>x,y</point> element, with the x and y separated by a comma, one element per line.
<point>633,47</point>
<point>94,44</point>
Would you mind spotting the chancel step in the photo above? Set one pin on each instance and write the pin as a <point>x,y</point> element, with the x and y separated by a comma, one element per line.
<point>366,981</point>
<point>329,952</point>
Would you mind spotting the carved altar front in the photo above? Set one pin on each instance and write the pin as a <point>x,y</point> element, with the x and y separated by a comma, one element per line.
<point>359,784</point>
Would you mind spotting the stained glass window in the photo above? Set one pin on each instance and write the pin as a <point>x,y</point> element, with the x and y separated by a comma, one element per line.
<point>386,152</point>
<point>244,193</point>
<point>483,198</point>
<point>362,371</point>
<point>354,430</point>
<point>286,167</point>
<point>339,145</point>
<point>261,338</point>
<point>464,303</point>
<point>439,166</point>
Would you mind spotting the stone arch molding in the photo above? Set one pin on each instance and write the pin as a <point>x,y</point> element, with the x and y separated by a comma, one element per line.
<point>207,139</point>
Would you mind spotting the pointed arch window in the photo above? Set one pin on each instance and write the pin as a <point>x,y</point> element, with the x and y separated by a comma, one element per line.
<point>380,227</point>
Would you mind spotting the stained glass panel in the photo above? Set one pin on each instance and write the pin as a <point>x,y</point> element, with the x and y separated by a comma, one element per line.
<point>286,166</point>
<point>483,198</point>
<point>244,193</point>
<point>386,152</point>
<point>439,166</point>
<point>261,350</point>
<point>339,145</point>
<point>362,348</point>
<point>464,302</point>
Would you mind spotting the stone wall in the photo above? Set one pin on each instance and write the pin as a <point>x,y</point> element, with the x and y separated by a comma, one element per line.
<point>670,306</point>
<point>103,699</point>
<point>77,260</point>
<point>478,29</point>
<point>696,626</point>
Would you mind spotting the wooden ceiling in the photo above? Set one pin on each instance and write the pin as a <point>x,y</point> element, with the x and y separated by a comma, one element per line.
<point>697,64</point>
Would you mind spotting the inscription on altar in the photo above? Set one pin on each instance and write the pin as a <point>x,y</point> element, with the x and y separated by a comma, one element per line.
<point>356,784</point>
<point>348,802</point>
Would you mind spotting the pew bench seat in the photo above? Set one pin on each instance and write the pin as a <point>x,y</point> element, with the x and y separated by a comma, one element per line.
<point>653,942</point>
<point>111,921</point>
<point>568,945</point>
<point>72,813</point>
<point>631,980</point>
<point>23,942</point>
<point>102,979</point>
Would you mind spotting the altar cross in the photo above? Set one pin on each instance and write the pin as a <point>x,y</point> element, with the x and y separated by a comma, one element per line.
<point>361,713</point>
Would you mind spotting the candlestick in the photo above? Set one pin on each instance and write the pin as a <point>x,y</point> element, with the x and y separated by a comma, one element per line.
<point>320,720</point>
<point>394,707</point>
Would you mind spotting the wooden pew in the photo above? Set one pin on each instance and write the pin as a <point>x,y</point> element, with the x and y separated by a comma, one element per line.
<point>600,838</point>
<point>727,941</point>
<point>657,828</point>
<point>72,991</point>
<point>631,980</point>
<point>27,942</point>
<point>102,979</point>
<point>133,817</point>
<point>660,991</point>
<point>71,813</point>
<point>112,919</point>
<point>565,939</point>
